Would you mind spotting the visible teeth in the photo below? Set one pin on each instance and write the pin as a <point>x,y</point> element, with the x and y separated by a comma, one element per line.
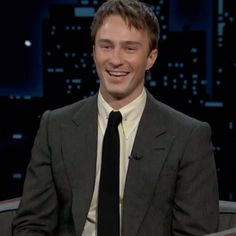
<point>117,73</point>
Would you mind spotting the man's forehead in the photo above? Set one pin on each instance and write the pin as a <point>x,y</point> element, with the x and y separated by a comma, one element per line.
<point>123,19</point>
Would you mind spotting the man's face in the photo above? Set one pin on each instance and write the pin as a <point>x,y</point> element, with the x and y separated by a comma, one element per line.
<point>122,56</point>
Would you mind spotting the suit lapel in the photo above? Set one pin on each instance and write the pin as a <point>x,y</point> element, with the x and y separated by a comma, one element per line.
<point>150,149</point>
<point>80,151</point>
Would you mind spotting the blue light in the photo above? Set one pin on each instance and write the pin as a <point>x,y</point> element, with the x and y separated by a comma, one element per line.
<point>59,70</point>
<point>231,125</point>
<point>85,2</point>
<point>17,136</point>
<point>76,81</point>
<point>220,7</point>
<point>50,70</point>
<point>153,83</point>
<point>194,50</point>
<point>17,176</point>
<point>164,27</point>
<point>164,37</point>
<point>84,11</point>
<point>214,104</point>
<point>194,76</point>
<point>27,97</point>
<point>226,14</point>
<point>221,28</point>
<point>162,18</point>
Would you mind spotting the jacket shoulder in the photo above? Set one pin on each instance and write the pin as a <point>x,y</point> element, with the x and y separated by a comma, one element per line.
<point>173,118</point>
<point>71,110</point>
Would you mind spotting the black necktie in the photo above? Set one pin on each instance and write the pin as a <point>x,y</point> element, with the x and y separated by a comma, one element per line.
<point>108,198</point>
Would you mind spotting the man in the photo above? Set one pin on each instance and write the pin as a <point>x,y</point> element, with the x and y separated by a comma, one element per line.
<point>167,173</point>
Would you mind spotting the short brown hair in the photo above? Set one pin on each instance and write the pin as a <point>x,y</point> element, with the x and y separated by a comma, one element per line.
<point>137,14</point>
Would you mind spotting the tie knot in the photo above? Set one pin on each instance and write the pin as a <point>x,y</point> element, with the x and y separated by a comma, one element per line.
<point>115,118</point>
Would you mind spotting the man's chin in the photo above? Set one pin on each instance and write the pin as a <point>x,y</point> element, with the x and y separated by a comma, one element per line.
<point>117,95</point>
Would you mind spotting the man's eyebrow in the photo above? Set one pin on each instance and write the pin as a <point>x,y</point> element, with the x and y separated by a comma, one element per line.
<point>104,41</point>
<point>132,42</point>
<point>128,42</point>
<point>123,43</point>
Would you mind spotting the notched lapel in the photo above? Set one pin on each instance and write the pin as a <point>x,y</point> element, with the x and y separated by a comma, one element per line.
<point>79,150</point>
<point>152,144</point>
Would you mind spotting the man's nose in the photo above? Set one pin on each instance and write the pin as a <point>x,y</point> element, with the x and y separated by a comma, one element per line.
<point>116,57</point>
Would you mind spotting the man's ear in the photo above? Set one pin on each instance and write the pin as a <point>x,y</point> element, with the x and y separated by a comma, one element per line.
<point>152,58</point>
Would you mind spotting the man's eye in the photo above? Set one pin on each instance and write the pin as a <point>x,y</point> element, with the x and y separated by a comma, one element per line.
<point>105,46</point>
<point>131,49</point>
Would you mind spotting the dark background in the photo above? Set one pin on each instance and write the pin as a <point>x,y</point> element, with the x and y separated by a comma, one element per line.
<point>46,63</point>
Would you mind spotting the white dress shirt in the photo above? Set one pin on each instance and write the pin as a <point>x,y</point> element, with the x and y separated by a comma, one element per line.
<point>131,115</point>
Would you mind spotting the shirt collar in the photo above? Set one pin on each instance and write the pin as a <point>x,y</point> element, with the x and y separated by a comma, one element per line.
<point>131,113</point>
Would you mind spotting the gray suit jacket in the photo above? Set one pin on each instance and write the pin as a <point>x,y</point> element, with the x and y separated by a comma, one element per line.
<point>171,188</point>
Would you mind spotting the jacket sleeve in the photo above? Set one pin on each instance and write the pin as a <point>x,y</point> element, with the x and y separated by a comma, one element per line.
<point>37,213</point>
<point>196,204</point>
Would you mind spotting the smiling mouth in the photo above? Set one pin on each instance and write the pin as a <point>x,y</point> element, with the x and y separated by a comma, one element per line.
<point>117,73</point>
